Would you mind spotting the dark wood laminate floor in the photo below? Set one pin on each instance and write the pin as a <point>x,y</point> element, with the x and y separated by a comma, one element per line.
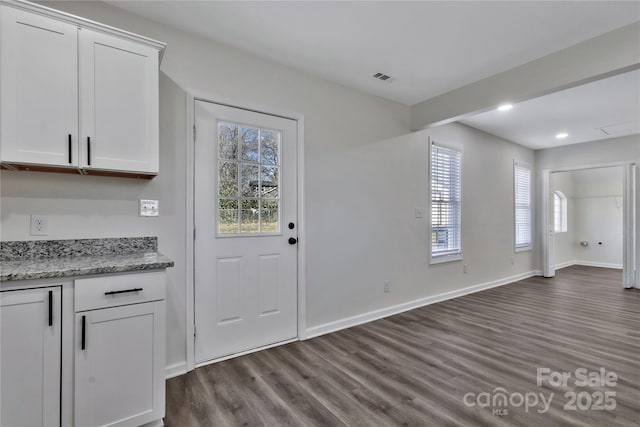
<point>415,368</point>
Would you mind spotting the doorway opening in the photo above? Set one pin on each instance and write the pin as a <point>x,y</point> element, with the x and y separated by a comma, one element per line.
<point>587,217</point>
<point>590,219</point>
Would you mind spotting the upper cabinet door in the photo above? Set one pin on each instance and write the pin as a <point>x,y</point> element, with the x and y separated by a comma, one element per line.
<point>118,104</point>
<point>38,82</point>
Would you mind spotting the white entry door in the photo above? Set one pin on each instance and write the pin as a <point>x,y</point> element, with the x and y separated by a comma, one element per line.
<point>246,230</point>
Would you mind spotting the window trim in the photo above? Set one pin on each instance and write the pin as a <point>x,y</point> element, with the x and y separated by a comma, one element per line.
<point>446,257</point>
<point>564,220</point>
<point>528,246</point>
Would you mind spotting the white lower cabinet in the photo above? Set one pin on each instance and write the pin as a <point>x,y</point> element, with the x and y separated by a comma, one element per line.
<point>30,356</point>
<point>87,352</point>
<point>119,351</point>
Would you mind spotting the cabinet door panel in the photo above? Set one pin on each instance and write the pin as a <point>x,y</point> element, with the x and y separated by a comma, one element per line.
<point>120,373</point>
<point>119,104</point>
<point>30,357</point>
<point>38,81</point>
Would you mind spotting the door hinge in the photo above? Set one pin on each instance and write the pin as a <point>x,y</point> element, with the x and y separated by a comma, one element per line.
<point>194,133</point>
<point>194,233</point>
<point>195,333</point>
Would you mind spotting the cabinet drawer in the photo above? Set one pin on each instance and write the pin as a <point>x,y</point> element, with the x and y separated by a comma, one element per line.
<point>113,291</point>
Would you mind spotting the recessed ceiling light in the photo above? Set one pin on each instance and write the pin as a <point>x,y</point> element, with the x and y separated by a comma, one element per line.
<point>505,107</point>
<point>562,135</point>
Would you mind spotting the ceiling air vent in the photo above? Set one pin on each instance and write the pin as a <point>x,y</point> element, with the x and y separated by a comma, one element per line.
<point>383,77</point>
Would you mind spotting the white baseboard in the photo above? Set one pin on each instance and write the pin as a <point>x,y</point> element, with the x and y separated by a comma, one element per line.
<point>588,264</point>
<point>564,264</point>
<point>176,369</point>
<point>599,264</point>
<point>359,319</point>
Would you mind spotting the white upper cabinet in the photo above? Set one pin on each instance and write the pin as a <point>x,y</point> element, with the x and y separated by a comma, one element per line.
<point>76,95</point>
<point>118,104</point>
<point>39,102</point>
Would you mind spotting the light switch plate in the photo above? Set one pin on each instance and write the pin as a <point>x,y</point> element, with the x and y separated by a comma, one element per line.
<point>420,212</point>
<point>149,208</point>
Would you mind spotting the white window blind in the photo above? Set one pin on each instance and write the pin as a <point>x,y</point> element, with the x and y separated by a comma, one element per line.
<point>446,209</point>
<point>559,212</point>
<point>522,182</point>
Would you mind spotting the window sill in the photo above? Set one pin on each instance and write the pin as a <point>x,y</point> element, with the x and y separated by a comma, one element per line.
<point>524,249</point>
<point>445,258</point>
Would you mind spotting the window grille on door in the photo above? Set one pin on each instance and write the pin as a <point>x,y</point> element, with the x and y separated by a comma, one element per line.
<point>248,180</point>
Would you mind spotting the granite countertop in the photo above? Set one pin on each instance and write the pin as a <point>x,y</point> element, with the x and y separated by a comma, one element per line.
<point>70,258</point>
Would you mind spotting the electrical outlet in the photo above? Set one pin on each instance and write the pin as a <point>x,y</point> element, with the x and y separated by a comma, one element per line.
<point>420,212</point>
<point>387,285</point>
<point>149,208</point>
<point>39,225</point>
<point>513,260</point>
<point>465,268</point>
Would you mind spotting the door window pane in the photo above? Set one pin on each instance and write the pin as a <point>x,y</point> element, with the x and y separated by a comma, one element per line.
<point>228,140</point>
<point>250,144</point>
<point>248,180</point>
<point>270,215</point>
<point>228,179</point>
<point>269,182</point>
<point>270,147</point>
<point>250,219</point>
<point>227,216</point>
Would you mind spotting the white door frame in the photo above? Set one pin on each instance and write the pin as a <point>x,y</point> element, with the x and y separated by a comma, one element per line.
<point>191,98</point>
<point>631,214</point>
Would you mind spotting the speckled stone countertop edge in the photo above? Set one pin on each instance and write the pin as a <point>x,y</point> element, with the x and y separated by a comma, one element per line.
<point>49,268</point>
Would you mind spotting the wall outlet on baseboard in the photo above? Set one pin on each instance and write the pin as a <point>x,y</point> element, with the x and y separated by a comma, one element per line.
<point>39,225</point>
<point>387,285</point>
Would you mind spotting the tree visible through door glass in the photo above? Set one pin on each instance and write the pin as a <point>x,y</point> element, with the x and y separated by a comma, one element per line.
<point>248,180</point>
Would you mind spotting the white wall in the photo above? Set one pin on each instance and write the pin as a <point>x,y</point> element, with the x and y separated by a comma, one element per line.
<point>377,236</point>
<point>622,149</point>
<point>363,181</point>
<point>599,212</point>
<point>599,220</point>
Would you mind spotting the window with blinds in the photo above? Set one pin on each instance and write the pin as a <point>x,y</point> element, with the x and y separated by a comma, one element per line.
<point>446,208</point>
<point>522,182</point>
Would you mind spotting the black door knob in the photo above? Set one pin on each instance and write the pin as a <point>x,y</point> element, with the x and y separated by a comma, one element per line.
<point>293,240</point>
<point>291,226</point>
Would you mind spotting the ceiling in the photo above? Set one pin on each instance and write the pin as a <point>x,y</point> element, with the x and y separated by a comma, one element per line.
<point>602,109</point>
<point>428,48</point>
